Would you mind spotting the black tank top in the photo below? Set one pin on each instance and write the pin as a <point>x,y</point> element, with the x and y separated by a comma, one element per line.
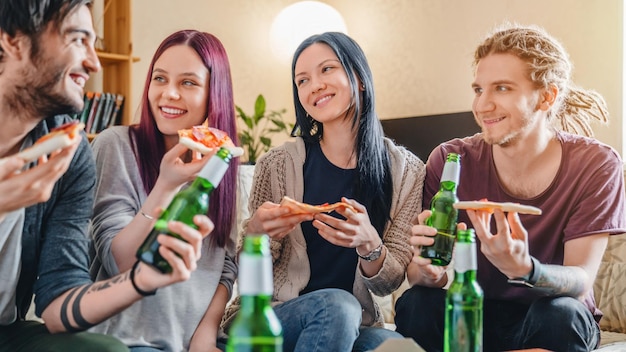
<point>331,266</point>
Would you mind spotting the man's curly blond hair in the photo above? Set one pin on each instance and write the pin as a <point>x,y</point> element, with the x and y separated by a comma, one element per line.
<point>548,63</point>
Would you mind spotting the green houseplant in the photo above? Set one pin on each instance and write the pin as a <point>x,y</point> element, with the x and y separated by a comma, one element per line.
<point>255,137</point>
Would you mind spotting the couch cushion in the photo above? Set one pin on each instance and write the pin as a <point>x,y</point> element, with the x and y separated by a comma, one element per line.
<point>610,285</point>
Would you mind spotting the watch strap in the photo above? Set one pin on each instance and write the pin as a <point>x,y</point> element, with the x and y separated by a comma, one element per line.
<point>373,255</point>
<point>532,277</point>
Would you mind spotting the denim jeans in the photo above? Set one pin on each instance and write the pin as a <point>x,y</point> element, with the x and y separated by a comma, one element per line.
<point>371,337</point>
<point>327,320</point>
<point>553,323</point>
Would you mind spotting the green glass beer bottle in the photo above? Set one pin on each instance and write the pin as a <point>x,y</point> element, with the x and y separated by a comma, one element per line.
<point>463,331</point>
<point>256,327</point>
<point>186,204</point>
<point>444,215</point>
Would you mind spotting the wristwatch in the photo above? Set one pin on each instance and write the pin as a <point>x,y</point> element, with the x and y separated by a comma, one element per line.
<point>373,255</point>
<point>531,280</point>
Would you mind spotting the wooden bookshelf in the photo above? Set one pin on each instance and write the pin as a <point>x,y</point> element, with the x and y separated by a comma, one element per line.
<point>116,55</point>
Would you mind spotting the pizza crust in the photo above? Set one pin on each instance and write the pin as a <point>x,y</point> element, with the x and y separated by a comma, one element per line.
<point>303,208</point>
<point>504,206</point>
<point>57,139</point>
<point>203,149</point>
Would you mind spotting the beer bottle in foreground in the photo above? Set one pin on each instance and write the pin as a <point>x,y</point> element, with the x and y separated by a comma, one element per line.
<point>444,215</point>
<point>256,327</point>
<point>186,204</point>
<point>463,329</point>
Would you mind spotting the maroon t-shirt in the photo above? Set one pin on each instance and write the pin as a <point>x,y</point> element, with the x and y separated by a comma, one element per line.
<point>585,198</point>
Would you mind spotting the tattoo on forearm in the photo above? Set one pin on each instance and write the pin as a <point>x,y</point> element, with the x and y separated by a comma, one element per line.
<point>81,322</point>
<point>64,320</point>
<point>103,285</point>
<point>78,316</point>
<point>560,280</point>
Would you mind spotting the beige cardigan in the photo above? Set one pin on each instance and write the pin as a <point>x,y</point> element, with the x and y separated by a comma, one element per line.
<point>279,173</point>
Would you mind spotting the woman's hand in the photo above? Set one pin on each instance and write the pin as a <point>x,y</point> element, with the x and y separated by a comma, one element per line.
<point>174,172</point>
<point>181,255</point>
<point>355,231</point>
<point>275,221</point>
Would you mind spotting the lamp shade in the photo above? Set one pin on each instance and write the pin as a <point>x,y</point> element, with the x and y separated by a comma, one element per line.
<point>299,21</point>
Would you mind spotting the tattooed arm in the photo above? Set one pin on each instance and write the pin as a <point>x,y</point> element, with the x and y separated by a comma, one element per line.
<point>580,266</point>
<point>507,250</point>
<point>85,306</point>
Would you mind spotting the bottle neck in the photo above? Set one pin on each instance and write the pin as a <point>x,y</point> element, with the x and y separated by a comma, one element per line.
<point>451,173</point>
<point>202,185</point>
<point>255,303</point>
<point>449,186</point>
<point>465,263</point>
<point>213,171</point>
<point>255,275</point>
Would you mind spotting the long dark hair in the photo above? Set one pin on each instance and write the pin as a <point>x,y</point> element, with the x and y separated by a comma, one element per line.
<point>221,114</point>
<point>374,186</point>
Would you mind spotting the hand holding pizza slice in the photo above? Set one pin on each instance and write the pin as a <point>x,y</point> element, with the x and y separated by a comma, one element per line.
<point>204,139</point>
<point>58,138</point>
<point>302,208</point>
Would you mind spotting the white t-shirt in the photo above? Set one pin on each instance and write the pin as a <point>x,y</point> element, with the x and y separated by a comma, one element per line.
<point>10,263</point>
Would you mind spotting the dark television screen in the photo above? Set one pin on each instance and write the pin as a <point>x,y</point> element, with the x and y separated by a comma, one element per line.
<point>421,134</point>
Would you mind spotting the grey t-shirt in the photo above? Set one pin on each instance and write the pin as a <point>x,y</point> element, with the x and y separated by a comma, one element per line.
<point>10,263</point>
<point>167,320</point>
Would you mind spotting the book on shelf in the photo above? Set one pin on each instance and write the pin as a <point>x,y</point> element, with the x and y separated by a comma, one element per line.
<point>101,110</point>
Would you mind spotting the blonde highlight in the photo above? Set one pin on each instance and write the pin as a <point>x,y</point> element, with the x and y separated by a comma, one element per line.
<point>548,62</point>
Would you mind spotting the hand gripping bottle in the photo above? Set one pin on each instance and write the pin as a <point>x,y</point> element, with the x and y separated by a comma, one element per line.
<point>186,204</point>
<point>444,215</point>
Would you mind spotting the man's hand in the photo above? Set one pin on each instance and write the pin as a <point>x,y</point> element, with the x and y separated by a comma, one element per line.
<point>507,249</point>
<point>23,189</point>
<point>421,271</point>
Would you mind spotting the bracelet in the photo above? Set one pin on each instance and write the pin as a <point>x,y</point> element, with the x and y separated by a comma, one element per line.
<point>132,281</point>
<point>149,217</point>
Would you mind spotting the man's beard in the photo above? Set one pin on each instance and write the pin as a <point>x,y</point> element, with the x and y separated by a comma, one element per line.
<point>39,92</point>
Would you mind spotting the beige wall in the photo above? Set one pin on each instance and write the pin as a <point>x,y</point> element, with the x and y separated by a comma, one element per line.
<point>419,50</point>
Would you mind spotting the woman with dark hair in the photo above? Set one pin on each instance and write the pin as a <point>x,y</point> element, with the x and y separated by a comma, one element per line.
<point>327,266</point>
<point>141,167</point>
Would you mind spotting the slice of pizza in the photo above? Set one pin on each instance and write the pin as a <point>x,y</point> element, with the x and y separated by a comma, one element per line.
<point>488,206</point>
<point>205,139</point>
<point>303,208</point>
<point>58,138</point>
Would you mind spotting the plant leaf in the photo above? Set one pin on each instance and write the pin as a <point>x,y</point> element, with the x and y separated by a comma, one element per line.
<point>259,108</point>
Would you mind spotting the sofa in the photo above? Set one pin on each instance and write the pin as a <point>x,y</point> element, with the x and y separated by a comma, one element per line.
<point>610,293</point>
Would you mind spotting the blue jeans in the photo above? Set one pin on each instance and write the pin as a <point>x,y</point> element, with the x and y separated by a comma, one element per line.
<point>553,323</point>
<point>327,320</point>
